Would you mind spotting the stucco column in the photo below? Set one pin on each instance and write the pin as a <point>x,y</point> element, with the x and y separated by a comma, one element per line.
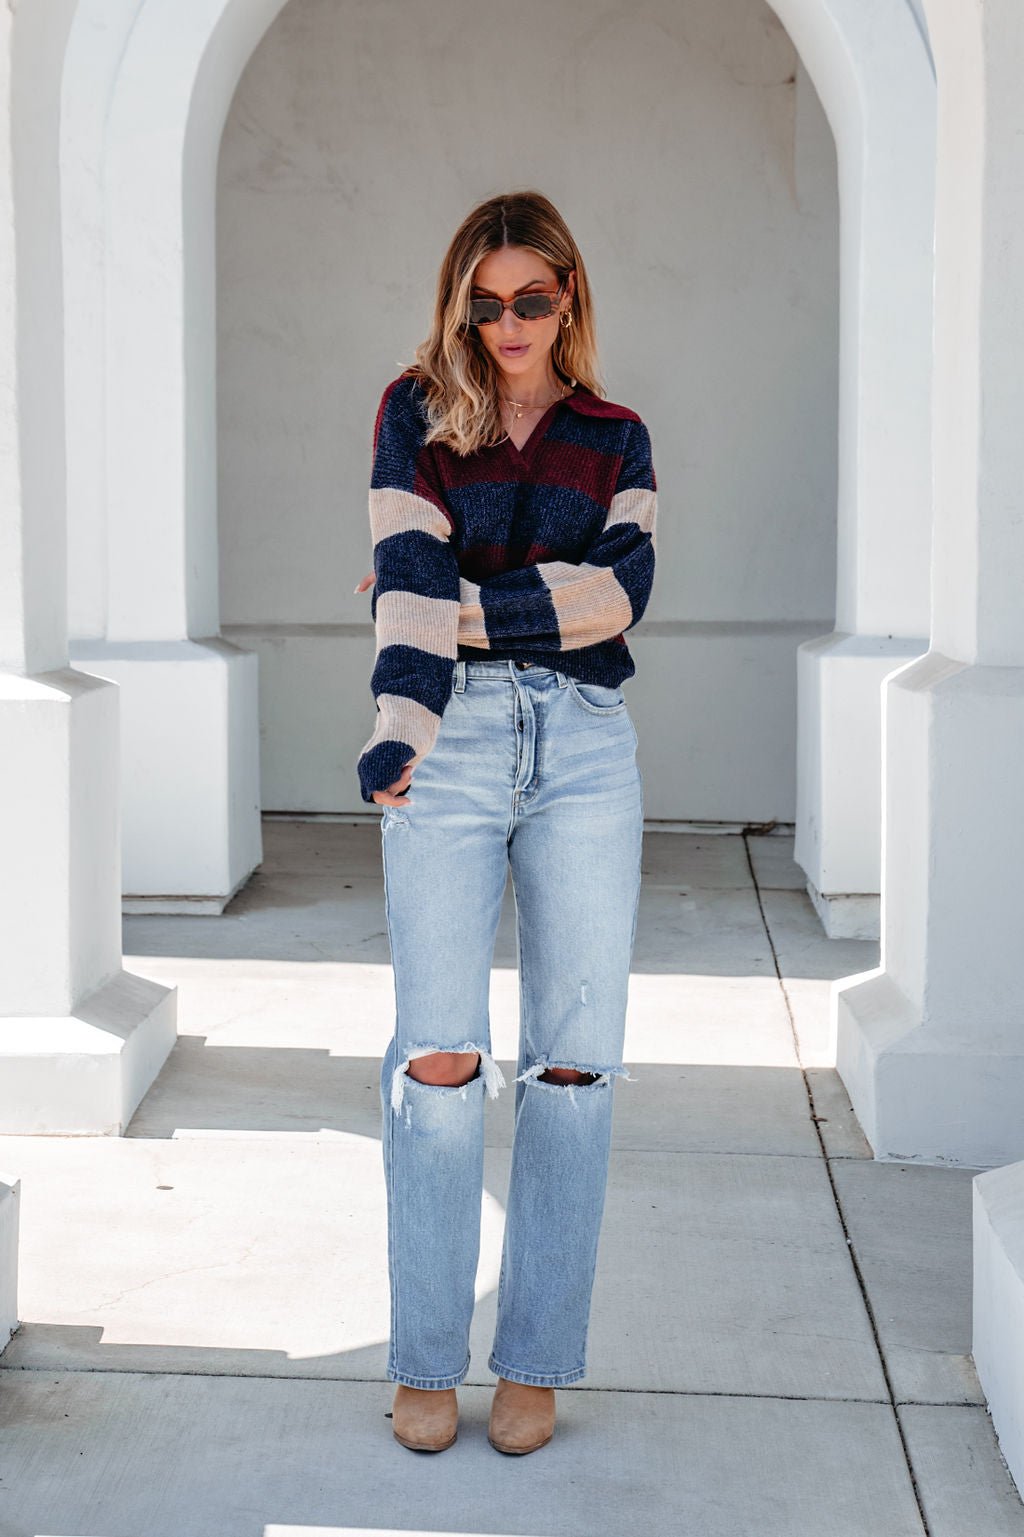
<point>931,1044</point>
<point>872,70</point>
<point>944,1023</point>
<point>146,94</point>
<point>80,1039</point>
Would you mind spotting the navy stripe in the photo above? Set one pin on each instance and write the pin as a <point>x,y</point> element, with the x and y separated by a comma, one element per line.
<point>606,435</point>
<point>557,517</point>
<point>382,766</point>
<point>635,575</point>
<point>415,674</point>
<point>399,435</point>
<point>607,662</point>
<point>522,592</point>
<point>637,472</point>
<point>617,543</point>
<point>414,561</point>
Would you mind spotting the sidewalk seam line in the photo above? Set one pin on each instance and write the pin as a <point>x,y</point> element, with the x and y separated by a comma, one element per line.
<point>858,1273</point>
<point>117,1371</point>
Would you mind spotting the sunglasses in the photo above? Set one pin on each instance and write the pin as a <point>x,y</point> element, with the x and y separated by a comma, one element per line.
<point>534,306</point>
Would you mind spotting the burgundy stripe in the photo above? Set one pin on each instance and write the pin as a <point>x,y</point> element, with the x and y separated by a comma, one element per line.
<point>578,468</point>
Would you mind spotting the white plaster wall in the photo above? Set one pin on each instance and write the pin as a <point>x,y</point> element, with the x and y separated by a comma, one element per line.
<point>688,150</point>
<point>917,7</point>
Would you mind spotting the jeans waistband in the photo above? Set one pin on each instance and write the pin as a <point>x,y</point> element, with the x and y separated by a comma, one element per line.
<point>498,669</point>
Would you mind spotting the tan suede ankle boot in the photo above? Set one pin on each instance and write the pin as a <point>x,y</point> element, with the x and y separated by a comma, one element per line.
<point>425,1419</point>
<point>522,1418</point>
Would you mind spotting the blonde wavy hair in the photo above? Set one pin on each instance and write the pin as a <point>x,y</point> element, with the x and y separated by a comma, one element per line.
<point>457,374</point>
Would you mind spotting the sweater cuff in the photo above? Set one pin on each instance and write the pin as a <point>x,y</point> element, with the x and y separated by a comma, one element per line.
<point>381,766</point>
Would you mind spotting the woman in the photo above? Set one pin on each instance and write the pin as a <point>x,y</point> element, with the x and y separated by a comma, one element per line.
<point>512,513</point>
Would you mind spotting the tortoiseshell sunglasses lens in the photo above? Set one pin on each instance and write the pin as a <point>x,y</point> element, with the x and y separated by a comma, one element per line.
<point>484,312</point>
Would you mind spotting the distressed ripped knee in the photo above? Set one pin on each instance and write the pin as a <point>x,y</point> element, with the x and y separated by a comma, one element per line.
<point>447,1069</point>
<point>566,1075</point>
<point>571,1077</point>
<point>451,1068</point>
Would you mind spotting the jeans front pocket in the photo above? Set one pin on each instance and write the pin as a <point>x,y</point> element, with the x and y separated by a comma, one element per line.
<point>596,697</point>
<point>393,816</point>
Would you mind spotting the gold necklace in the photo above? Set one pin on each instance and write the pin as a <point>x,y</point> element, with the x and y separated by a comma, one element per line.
<point>521,406</point>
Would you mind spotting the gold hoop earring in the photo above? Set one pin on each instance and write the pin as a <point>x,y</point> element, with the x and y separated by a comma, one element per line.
<point>565,319</point>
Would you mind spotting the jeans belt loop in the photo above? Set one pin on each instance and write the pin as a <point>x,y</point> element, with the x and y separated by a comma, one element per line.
<point>562,680</point>
<point>460,676</point>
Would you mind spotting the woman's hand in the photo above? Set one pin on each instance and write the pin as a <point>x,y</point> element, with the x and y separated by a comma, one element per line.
<point>389,797</point>
<point>368,581</point>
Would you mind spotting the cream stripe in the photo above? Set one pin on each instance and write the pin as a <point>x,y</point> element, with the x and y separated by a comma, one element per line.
<point>636,506</point>
<point>409,619</point>
<point>471,616</point>
<point>593,606</point>
<point>404,720</point>
<point>397,512</point>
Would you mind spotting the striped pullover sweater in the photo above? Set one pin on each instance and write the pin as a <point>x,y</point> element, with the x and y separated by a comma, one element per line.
<point>542,554</point>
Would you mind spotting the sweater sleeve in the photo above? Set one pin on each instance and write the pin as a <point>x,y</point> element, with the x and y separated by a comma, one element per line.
<point>415,603</point>
<point>563,606</point>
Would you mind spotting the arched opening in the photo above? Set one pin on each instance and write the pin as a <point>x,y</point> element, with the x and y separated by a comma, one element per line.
<point>709,222</point>
<point>140,190</point>
<point>141,195</point>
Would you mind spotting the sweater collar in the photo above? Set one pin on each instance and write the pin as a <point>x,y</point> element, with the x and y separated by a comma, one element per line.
<point>588,404</point>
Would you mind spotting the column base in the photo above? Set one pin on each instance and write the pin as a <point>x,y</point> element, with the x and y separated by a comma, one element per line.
<point>190,773</point>
<point>998,1305</point>
<point>847,914</point>
<point>86,1073</point>
<point>926,1094</point>
<point>930,1049</point>
<point>839,782</point>
<point>10,1202</point>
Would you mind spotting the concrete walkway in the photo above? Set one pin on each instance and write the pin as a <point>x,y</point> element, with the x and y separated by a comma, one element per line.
<point>781,1326</point>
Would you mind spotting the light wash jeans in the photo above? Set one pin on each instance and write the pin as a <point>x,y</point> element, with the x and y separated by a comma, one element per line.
<point>530,769</point>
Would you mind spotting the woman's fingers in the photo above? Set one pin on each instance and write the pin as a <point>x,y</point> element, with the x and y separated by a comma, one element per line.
<point>386,798</point>
<point>368,581</point>
<point>389,797</point>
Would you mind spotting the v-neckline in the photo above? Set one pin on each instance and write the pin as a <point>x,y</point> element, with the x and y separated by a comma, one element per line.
<point>525,454</point>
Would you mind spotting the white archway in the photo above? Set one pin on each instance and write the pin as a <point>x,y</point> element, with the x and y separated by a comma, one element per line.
<point>871,66</point>
<point>930,1044</point>
<point>143,187</point>
<point>141,182</point>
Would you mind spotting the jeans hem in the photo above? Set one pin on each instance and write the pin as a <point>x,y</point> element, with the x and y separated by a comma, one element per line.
<point>536,1379</point>
<point>436,1384</point>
